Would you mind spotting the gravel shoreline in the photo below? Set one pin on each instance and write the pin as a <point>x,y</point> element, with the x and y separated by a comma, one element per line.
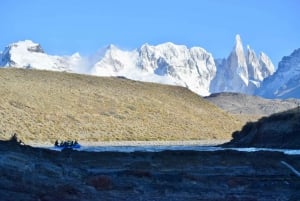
<point>142,143</point>
<point>155,143</point>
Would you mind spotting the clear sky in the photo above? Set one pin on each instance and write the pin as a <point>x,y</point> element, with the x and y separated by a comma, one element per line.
<point>68,26</point>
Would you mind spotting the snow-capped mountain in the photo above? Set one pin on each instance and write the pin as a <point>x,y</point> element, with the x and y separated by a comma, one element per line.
<point>27,54</point>
<point>285,82</point>
<point>232,73</point>
<point>241,72</point>
<point>266,66</point>
<point>168,63</point>
<point>165,63</point>
<point>253,65</point>
<point>115,62</point>
<point>258,68</point>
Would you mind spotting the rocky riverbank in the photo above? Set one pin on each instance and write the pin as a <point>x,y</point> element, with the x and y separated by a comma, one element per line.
<point>38,174</point>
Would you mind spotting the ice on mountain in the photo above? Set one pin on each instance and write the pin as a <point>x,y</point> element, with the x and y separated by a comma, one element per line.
<point>285,82</point>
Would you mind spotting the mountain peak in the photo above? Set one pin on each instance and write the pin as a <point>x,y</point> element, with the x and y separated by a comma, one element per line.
<point>253,66</point>
<point>28,54</point>
<point>111,47</point>
<point>249,49</point>
<point>237,55</point>
<point>24,42</point>
<point>296,52</point>
<point>266,64</point>
<point>167,44</point>
<point>27,45</point>
<point>237,37</point>
<point>237,64</point>
<point>238,44</point>
<point>284,83</point>
<point>250,52</point>
<point>163,63</point>
<point>241,72</point>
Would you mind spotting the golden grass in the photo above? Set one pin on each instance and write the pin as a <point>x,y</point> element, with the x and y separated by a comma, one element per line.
<point>42,106</point>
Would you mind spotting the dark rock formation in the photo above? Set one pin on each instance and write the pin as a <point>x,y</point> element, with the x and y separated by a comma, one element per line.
<point>280,130</point>
<point>36,49</point>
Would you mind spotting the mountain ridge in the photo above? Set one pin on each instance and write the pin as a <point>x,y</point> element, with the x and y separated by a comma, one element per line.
<point>241,72</point>
<point>285,82</point>
<point>27,54</point>
<point>166,63</point>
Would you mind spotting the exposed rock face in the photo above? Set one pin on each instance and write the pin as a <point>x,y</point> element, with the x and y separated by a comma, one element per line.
<point>285,83</point>
<point>232,73</point>
<point>266,66</point>
<point>253,65</point>
<point>36,48</point>
<point>240,72</point>
<point>193,68</point>
<point>35,174</point>
<point>258,68</point>
<point>279,130</point>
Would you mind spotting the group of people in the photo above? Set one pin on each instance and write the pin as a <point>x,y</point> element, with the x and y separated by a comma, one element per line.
<point>67,144</point>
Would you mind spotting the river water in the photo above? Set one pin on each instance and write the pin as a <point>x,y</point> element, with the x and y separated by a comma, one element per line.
<point>158,148</point>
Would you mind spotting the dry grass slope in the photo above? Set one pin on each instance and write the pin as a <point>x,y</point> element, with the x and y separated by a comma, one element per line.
<point>42,106</point>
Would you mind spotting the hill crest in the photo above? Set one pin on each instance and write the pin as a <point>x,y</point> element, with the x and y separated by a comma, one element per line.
<point>45,106</point>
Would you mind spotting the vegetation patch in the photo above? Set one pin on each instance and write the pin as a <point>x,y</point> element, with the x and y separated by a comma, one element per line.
<point>43,106</point>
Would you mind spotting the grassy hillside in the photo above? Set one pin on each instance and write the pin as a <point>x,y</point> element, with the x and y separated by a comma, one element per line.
<point>42,106</point>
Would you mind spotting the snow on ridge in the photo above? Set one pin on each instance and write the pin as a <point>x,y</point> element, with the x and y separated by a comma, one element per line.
<point>27,54</point>
<point>284,83</point>
<point>241,72</point>
<point>165,63</point>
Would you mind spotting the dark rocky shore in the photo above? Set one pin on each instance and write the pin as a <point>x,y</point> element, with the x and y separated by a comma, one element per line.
<point>38,174</point>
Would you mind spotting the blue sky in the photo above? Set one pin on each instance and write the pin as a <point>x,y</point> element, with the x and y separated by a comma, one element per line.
<point>67,26</point>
